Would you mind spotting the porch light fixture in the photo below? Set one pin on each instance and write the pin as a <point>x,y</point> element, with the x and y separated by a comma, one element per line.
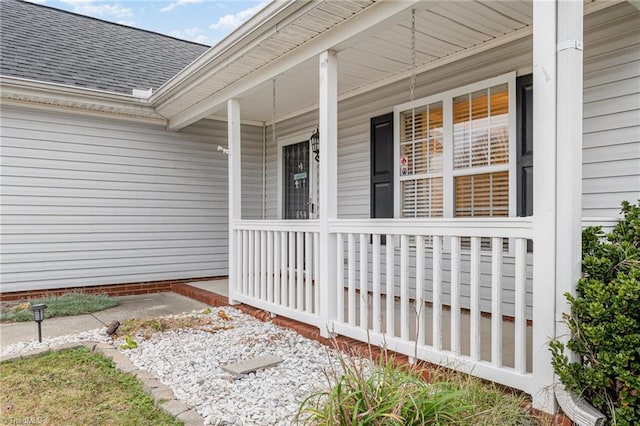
<point>38,316</point>
<point>315,143</point>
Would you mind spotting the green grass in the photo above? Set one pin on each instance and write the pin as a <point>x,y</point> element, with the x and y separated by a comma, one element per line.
<point>74,387</point>
<point>62,306</point>
<point>364,392</point>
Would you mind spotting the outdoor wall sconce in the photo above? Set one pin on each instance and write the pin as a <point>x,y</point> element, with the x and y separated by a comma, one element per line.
<point>315,143</point>
<point>38,316</point>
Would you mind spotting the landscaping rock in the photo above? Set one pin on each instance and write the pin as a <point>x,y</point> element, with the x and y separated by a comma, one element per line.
<point>113,327</point>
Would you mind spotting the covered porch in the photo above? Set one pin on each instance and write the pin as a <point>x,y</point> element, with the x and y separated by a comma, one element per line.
<point>458,274</point>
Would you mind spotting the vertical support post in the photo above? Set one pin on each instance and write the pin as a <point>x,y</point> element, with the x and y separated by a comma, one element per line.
<point>328,198</point>
<point>235,191</point>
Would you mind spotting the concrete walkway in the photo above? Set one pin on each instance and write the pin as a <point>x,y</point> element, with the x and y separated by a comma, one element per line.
<point>139,306</point>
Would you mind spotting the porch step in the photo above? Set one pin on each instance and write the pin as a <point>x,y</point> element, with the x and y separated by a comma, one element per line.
<point>249,365</point>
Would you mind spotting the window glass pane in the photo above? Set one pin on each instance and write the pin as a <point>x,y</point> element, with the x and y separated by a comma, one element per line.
<point>499,125</point>
<point>422,197</point>
<point>421,139</point>
<point>480,132</point>
<point>482,195</point>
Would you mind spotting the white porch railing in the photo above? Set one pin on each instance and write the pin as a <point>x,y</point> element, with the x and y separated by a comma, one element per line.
<point>424,292</point>
<point>410,244</point>
<point>277,265</point>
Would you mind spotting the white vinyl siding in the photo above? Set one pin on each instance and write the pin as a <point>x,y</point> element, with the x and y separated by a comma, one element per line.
<point>91,201</point>
<point>611,126</point>
<point>252,172</point>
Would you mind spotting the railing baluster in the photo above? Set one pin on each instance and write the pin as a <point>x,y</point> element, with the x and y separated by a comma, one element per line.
<point>284,265</point>
<point>376,283</point>
<point>455,295</point>
<point>237,285</point>
<point>496,302</point>
<point>252,253</point>
<point>263,265</point>
<point>300,271</point>
<point>364,281</point>
<point>276,268</point>
<point>316,273</point>
<point>437,292</point>
<point>245,262</point>
<point>390,287</point>
<point>256,265</point>
<point>351,255</point>
<point>420,314</point>
<point>340,276</point>
<point>474,330</point>
<point>308,271</point>
<point>520,306</point>
<point>292,269</point>
<point>270,266</point>
<point>404,287</point>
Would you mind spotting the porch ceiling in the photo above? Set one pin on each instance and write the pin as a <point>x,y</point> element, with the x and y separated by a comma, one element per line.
<point>445,31</point>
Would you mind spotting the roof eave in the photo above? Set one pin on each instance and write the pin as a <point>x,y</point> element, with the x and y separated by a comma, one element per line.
<point>260,25</point>
<point>21,90</point>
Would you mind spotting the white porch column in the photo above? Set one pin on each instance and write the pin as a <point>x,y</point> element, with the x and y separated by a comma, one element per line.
<point>557,159</point>
<point>235,191</point>
<point>328,189</point>
<point>544,200</point>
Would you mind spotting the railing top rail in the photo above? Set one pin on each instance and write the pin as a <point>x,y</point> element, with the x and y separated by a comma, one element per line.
<point>508,227</point>
<point>278,225</point>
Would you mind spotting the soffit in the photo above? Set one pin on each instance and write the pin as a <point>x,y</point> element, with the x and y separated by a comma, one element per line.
<point>445,31</point>
<point>442,29</point>
<point>322,16</point>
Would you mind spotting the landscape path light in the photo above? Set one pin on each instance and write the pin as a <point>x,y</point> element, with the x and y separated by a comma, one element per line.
<point>38,316</point>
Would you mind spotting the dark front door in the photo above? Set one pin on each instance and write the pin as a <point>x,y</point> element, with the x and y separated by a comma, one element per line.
<point>296,180</point>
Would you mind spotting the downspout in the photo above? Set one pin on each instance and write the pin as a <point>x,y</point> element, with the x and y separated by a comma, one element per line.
<point>569,107</point>
<point>577,409</point>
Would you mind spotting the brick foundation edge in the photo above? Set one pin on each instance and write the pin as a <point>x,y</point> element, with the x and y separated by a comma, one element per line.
<point>346,344</point>
<point>125,289</point>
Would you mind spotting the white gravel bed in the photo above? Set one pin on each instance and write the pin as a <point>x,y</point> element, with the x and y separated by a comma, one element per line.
<point>95,335</point>
<point>189,362</point>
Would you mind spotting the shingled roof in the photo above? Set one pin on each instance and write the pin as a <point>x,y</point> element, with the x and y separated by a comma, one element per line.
<point>47,44</point>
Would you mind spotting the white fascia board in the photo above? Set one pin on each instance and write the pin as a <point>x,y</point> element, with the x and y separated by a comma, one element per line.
<point>260,26</point>
<point>370,17</point>
<point>19,90</point>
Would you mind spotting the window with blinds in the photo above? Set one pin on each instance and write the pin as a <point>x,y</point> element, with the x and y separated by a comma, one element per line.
<point>481,152</point>
<point>421,161</point>
<point>455,152</point>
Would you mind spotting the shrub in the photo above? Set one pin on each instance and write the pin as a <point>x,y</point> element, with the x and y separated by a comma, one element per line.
<point>364,393</point>
<point>605,322</point>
